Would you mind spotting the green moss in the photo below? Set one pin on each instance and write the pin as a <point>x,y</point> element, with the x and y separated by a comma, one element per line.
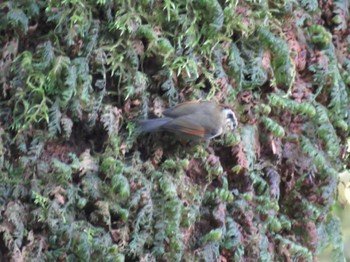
<point>79,181</point>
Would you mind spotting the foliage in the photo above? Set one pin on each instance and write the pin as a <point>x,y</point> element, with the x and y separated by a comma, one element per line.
<point>78,182</point>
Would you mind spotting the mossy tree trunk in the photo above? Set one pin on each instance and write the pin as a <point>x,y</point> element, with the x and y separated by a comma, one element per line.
<point>78,182</point>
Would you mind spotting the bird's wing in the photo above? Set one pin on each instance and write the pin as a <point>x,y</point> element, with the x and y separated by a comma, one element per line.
<point>195,125</point>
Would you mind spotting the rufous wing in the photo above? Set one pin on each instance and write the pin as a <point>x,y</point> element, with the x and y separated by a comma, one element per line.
<point>195,125</point>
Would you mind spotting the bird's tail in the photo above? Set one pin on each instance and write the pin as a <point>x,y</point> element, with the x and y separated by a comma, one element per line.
<point>151,125</point>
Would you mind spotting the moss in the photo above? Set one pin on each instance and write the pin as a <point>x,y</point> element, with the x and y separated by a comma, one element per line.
<point>78,181</point>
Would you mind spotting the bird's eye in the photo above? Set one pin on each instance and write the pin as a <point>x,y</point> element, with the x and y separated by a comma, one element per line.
<point>230,116</point>
<point>231,119</point>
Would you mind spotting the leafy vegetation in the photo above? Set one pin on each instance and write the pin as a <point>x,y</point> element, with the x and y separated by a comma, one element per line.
<point>78,183</point>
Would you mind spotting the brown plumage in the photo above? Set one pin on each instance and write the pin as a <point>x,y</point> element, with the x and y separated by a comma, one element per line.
<point>198,120</point>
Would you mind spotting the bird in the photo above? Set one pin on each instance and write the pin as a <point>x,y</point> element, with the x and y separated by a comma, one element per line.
<point>193,120</point>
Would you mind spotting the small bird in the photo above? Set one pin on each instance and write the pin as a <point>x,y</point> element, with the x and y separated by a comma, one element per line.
<point>196,120</point>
